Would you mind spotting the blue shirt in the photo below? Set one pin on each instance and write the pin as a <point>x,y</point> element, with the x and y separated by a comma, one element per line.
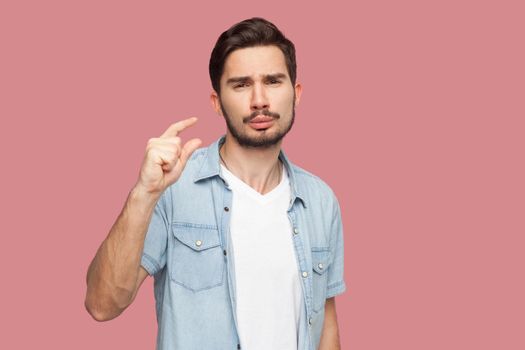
<point>188,251</point>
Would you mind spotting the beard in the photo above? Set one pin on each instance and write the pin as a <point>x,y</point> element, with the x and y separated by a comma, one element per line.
<point>264,139</point>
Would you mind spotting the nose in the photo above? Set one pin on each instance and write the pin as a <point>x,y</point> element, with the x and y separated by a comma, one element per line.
<point>259,98</point>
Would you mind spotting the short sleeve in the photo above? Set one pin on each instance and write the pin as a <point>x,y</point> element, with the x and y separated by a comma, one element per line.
<point>156,241</point>
<point>336,283</point>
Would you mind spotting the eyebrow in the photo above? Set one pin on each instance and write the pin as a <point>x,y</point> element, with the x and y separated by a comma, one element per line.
<point>247,78</point>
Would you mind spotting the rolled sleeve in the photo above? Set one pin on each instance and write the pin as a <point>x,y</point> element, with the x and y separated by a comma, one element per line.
<point>155,244</point>
<point>336,283</point>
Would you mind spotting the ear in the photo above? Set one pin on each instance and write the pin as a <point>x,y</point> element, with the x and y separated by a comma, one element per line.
<point>298,91</point>
<point>215,102</point>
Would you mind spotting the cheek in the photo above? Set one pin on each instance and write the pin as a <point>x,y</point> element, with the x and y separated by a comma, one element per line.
<point>233,104</point>
<point>226,105</point>
<point>285,103</point>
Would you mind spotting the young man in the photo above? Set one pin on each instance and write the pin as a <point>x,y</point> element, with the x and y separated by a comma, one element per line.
<point>246,249</point>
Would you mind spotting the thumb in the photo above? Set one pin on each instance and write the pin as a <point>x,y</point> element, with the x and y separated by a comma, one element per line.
<point>188,148</point>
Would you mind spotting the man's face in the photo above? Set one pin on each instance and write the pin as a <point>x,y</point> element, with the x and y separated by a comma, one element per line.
<point>257,97</point>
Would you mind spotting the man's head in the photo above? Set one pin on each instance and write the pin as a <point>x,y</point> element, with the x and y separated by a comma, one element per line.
<point>253,74</point>
<point>249,33</point>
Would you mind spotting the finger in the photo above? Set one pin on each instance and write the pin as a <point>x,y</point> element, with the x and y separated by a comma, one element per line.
<point>165,141</point>
<point>172,141</point>
<point>188,148</point>
<point>167,160</point>
<point>177,127</point>
<point>167,167</point>
<point>169,148</point>
<point>162,156</point>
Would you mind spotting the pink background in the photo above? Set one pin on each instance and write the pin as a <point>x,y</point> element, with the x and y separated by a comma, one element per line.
<point>413,112</point>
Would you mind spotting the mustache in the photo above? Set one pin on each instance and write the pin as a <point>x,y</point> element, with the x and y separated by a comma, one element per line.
<point>265,112</point>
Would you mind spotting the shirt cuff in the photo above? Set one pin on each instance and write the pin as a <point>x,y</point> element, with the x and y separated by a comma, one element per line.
<point>149,264</point>
<point>335,289</point>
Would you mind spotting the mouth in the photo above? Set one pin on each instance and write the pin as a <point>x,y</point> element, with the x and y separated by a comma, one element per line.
<point>261,119</point>
<point>261,122</point>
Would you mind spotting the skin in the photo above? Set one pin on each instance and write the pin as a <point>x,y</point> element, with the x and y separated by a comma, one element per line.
<point>330,334</point>
<point>256,166</point>
<point>115,275</point>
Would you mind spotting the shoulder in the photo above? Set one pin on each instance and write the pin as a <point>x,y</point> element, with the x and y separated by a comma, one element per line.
<point>311,184</point>
<point>315,192</point>
<point>198,156</point>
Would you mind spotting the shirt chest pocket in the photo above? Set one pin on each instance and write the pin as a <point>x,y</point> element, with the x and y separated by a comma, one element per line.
<point>197,262</point>
<point>320,263</point>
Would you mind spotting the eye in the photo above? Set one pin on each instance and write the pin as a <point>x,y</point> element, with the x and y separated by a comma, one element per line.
<point>274,81</point>
<point>240,85</point>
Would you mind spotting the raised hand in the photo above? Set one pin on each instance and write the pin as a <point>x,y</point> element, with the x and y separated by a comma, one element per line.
<point>165,158</point>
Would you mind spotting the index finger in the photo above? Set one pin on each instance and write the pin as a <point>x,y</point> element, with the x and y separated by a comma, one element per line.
<point>175,128</point>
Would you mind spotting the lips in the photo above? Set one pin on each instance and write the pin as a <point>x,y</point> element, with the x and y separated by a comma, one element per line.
<point>261,122</point>
<point>261,119</point>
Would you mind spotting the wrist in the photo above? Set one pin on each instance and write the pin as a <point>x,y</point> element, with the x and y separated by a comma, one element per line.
<point>142,194</point>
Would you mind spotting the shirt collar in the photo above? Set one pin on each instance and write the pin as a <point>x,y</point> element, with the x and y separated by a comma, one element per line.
<point>211,167</point>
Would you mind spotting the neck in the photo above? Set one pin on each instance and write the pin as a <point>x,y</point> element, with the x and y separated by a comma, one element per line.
<point>260,168</point>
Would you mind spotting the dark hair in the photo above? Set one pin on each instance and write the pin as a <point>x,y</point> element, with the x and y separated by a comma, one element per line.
<point>248,33</point>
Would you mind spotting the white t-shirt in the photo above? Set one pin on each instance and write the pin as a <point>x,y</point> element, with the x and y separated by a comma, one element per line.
<point>268,285</point>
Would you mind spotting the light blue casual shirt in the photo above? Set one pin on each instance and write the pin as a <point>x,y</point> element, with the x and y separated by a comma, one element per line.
<point>188,250</point>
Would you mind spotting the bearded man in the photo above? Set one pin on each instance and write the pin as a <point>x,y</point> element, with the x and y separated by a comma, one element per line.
<point>246,248</point>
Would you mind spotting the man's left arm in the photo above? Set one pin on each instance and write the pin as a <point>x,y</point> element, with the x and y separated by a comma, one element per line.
<point>336,285</point>
<point>330,334</point>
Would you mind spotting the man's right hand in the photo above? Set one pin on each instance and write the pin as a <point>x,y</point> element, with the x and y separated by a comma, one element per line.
<point>115,274</point>
<point>165,158</point>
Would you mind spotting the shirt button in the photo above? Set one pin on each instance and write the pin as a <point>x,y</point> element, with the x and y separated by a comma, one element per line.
<point>224,252</point>
<point>198,243</point>
<point>226,209</point>
<point>305,274</point>
<point>238,346</point>
<point>295,230</point>
<point>310,321</point>
<point>320,266</point>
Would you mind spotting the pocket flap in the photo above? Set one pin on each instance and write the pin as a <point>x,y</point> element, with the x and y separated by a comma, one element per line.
<point>320,260</point>
<point>197,238</point>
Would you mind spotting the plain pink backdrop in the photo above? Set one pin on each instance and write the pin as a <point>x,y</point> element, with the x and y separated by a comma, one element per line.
<point>412,111</point>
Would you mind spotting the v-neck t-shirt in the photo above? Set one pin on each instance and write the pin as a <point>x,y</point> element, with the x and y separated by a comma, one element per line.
<point>268,285</point>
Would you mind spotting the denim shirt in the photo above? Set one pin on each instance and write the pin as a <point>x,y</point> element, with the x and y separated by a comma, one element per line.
<point>188,251</point>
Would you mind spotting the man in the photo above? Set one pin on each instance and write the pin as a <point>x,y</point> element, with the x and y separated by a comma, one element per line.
<point>246,249</point>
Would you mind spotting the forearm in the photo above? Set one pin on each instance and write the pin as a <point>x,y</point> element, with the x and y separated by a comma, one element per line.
<point>330,335</point>
<point>113,274</point>
<point>330,339</point>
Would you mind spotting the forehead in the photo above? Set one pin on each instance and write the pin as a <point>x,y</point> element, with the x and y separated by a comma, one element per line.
<point>254,61</point>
